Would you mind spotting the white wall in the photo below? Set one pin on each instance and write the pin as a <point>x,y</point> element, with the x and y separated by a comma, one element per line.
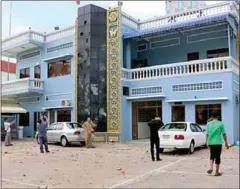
<point>4,76</point>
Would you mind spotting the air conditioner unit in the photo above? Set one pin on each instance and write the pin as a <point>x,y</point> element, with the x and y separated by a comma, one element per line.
<point>65,103</point>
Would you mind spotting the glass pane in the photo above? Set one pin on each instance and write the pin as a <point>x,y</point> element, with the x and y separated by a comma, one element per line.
<point>64,116</point>
<point>174,127</point>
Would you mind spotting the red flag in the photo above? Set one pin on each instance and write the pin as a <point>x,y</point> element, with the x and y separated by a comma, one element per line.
<point>78,2</point>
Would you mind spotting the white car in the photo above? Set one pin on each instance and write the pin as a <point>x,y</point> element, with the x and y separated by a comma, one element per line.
<point>65,133</point>
<point>181,135</point>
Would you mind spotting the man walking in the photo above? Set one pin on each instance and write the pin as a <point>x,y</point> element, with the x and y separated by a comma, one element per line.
<point>155,125</point>
<point>88,126</point>
<point>7,128</point>
<point>42,134</point>
<point>215,131</point>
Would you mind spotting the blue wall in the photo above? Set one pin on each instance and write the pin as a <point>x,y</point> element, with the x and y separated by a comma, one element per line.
<point>227,106</point>
<point>56,88</point>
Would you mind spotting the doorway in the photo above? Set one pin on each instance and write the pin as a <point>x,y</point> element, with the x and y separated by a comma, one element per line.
<point>193,56</point>
<point>178,113</point>
<point>142,113</point>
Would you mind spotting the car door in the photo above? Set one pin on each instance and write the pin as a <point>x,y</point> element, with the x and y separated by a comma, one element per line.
<point>50,131</point>
<point>195,134</point>
<point>202,135</point>
<point>57,132</point>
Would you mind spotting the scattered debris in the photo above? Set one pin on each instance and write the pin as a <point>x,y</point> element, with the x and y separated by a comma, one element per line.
<point>24,175</point>
<point>119,169</point>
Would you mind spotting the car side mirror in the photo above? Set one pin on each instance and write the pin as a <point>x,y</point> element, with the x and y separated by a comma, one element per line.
<point>204,130</point>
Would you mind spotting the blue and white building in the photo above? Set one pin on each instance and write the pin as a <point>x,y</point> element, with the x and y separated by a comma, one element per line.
<point>180,66</point>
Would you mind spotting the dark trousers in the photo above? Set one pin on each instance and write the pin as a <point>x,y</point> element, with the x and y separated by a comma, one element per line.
<point>43,142</point>
<point>154,141</point>
<point>215,153</point>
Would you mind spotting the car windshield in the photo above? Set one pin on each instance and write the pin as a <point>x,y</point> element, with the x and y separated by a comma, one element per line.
<point>174,127</point>
<point>73,125</point>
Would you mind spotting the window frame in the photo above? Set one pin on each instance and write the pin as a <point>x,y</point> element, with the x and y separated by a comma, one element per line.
<point>37,66</point>
<point>62,62</point>
<point>208,112</point>
<point>24,69</point>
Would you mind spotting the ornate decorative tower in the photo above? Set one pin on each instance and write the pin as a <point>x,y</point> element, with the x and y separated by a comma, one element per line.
<point>176,6</point>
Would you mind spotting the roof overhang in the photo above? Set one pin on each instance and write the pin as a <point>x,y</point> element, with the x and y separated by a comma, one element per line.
<point>144,97</point>
<point>12,108</point>
<point>177,26</point>
<point>198,99</point>
<point>60,57</point>
<point>57,107</point>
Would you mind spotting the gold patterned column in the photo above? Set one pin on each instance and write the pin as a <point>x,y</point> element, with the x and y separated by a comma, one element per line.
<point>76,72</point>
<point>113,73</point>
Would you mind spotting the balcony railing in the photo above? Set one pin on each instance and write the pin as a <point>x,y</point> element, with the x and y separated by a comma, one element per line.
<point>38,37</point>
<point>182,16</point>
<point>213,65</point>
<point>16,86</point>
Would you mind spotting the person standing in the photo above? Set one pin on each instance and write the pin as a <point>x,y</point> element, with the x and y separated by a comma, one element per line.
<point>7,128</point>
<point>42,134</point>
<point>214,132</point>
<point>155,125</point>
<point>88,126</point>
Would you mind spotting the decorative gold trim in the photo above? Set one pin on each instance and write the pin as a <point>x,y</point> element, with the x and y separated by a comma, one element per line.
<point>76,72</point>
<point>114,70</point>
<point>113,139</point>
<point>99,139</point>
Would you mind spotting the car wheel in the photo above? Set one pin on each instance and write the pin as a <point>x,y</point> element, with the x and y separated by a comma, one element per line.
<point>191,148</point>
<point>161,150</point>
<point>64,141</point>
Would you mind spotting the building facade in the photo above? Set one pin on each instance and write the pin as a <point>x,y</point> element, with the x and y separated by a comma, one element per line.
<point>124,72</point>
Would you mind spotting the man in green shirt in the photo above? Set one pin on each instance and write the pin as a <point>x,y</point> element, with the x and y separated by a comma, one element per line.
<point>215,131</point>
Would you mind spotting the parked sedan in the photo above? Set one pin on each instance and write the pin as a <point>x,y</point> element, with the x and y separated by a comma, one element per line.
<point>65,133</point>
<point>181,135</point>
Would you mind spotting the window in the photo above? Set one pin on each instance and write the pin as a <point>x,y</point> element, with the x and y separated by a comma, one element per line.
<point>193,128</point>
<point>146,114</point>
<point>215,85</point>
<point>24,119</point>
<point>174,127</point>
<point>59,47</point>
<point>64,116</point>
<point>178,113</point>
<point>59,126</point>
<point>193,56</point>
<point>217,53</point>
<point>29,55</point>
<point>37,72</point>
<point>147,91</point>
<point>203,112</point>
<point>126,91</point>
<point>24,73</point>
<point>59,68</point>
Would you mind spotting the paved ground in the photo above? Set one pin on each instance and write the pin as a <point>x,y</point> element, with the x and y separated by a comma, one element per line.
<point>112,166</point>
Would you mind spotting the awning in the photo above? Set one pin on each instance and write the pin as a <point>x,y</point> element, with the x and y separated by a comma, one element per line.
<point>181,25</point>
<point>144,97</point>
<point>198,99</point>
<point>56,58</point>
<point>57,107</point>
<point>12,108</point>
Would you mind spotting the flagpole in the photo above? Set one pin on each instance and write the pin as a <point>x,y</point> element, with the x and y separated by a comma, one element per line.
<point>10,28</point>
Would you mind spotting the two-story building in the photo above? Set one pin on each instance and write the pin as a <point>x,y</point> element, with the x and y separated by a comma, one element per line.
<point>124,72</point>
